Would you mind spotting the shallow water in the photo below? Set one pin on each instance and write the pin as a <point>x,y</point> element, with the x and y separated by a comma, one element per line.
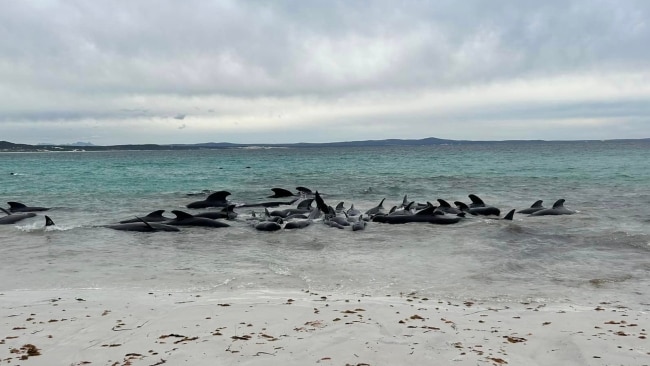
<point>599,254</point>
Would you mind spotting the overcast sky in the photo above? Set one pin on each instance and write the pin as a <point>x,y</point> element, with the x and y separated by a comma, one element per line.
<point>113,72</point>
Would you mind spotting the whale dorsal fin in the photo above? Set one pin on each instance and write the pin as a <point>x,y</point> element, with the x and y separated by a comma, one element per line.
<point>476,200</point>
<point>229,208</point>
<point>182,215</point>
<point>392,209</point>
<point>155,213</point>
<point>510,215</point>
<point>281,192</point>
<point>303,190</point>
<point>306,204</point>
<point>14,205</point>
<point>405,201</point>
<point>409,205</point>
<point>443,203</point>
<point>218,196</point>
<point>145,222</point>
<point>48,221</point>
<point>537,204</point>
<point>559,203</point>
<point>427,210</point>
<point>461,206</point>
<point>381,204</point>
<point>340,207</point>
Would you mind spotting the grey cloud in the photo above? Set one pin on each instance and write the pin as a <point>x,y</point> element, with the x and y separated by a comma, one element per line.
<point>103,52</point>
<point>286,48</point>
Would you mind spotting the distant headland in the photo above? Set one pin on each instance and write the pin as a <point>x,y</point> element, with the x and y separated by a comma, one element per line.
<point>6,146</point>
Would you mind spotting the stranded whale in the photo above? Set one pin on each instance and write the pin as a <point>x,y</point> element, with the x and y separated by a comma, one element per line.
<point>20,207</point>
<point>557,209</point>
<point>13,218</point>
<point>216,199</point>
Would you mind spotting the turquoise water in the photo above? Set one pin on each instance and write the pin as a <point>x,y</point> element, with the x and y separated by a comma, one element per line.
<point>602,252</point>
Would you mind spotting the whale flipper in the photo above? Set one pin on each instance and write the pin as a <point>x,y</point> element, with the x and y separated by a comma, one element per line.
<point>320,203</point>
<point>145,223</point>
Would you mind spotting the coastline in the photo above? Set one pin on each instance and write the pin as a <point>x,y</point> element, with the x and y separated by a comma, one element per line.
<point>136,327</point>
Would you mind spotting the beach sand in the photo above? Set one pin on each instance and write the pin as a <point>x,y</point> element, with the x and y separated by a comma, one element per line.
<point>136,327</point>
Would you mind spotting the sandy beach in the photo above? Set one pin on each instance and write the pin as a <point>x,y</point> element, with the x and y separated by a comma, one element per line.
<point>100,327</point>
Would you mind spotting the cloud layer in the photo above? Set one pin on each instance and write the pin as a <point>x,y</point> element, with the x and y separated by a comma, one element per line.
<point>289,71</point>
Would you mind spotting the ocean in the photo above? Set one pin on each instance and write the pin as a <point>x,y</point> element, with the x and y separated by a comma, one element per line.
<point>601,253</point>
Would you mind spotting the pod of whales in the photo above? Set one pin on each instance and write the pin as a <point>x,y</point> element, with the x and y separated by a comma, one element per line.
<point>300,213</point>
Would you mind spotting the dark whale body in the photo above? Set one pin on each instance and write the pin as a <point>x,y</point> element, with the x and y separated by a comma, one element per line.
<point>155,216</point>
<point>186,219</point>
<point>216,199</point>
<point>20,207</point>
<point>13,218</point>
<point>557,209</point>
<point>537,206</point>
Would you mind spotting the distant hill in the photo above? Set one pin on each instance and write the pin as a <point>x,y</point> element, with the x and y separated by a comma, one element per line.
<point>6,146</point>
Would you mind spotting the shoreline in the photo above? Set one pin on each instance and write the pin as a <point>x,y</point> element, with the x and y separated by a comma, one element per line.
<point>139,327</point>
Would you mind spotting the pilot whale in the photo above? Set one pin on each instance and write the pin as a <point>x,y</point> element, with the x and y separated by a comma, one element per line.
<point>155,216</point>
<point>537,206</point>
<point>557,209</point>
<point>20,207</point>
<point>142,226</point>
<point>186,219</point>
<point>13,218</point>
<point>216,199</point>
